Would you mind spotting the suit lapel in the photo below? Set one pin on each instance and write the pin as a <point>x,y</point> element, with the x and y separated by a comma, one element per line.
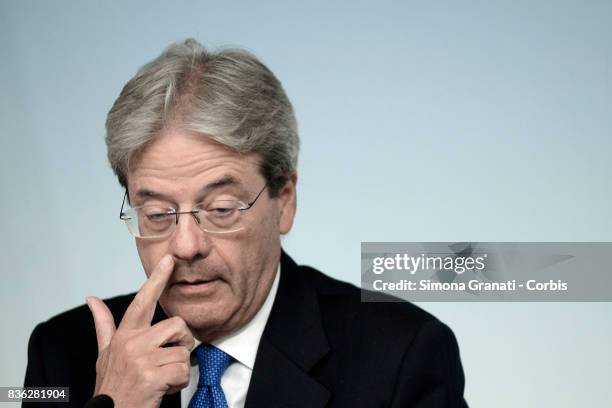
<point>292,343</point>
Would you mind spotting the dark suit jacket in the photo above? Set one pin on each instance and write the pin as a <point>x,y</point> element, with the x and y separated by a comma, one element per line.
<point>321,347</point>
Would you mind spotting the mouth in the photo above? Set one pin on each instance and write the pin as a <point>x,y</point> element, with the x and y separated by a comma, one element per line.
<point>196,286</point>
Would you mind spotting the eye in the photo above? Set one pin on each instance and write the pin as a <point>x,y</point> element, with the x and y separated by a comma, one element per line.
<point>222,208</point>
<point>157,214</point>
<point>220,211</point>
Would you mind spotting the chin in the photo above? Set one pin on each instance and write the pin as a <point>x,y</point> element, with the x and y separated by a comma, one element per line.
<point>203,316</point>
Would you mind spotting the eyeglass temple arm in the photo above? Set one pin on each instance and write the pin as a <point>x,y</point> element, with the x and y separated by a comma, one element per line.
<point>249,205</point>
<point>121,213</point>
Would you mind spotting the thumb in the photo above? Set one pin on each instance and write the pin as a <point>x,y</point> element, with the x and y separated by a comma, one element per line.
<point>103,319</point>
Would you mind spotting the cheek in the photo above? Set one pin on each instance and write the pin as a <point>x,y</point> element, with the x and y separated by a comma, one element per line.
<point>246,257</point>
<point>239,257</point>
<point>264,246</point>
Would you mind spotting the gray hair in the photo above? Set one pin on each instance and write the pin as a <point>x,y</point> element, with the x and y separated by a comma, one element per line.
<point>228,96</point>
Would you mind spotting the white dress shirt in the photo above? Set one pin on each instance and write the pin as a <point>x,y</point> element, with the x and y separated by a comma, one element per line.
<point>242,346</point>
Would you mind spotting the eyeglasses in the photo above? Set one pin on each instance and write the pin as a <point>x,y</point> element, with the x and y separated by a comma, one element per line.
<point>156,221</point>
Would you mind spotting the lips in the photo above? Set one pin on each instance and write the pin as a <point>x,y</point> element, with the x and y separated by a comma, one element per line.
<point>193,282</point>
<point>196,286</point>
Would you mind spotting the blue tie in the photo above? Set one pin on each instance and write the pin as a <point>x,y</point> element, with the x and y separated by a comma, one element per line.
<point>212,362</point>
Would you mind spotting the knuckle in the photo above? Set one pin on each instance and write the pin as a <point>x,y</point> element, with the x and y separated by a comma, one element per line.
<point>137,304</point>
<point>185,354</point>
<point>139,300</point>
<point>183,370</point>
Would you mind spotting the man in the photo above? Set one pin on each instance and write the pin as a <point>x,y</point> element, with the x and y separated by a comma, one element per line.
<point>206,147</point>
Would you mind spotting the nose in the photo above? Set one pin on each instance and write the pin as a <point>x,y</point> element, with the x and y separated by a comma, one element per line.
<point>189,241</point>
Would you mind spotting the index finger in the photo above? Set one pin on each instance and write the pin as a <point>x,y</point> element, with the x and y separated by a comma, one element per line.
<point>140,312</point>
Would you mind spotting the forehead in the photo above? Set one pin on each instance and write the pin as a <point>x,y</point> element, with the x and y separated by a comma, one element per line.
<point>178,162</point>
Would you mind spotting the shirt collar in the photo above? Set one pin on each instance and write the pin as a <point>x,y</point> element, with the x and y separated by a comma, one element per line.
<point>242,345</point>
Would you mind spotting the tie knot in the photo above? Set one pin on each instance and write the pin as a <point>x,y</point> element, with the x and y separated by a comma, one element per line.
<point>212,362</point>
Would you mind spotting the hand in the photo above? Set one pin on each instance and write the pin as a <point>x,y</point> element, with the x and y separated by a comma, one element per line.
<point>133,368</point>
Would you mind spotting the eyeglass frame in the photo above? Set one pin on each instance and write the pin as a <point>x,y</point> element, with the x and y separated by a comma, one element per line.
<point>193,212</point>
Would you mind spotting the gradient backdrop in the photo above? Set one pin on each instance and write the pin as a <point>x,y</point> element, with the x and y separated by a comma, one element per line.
<point>420,121</point>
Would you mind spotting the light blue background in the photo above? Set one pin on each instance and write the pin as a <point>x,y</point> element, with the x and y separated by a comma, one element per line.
<point>420,121</point>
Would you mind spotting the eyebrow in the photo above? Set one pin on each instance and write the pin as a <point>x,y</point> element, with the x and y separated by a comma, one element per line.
<point>223,181</point>
<point>226,180</point>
